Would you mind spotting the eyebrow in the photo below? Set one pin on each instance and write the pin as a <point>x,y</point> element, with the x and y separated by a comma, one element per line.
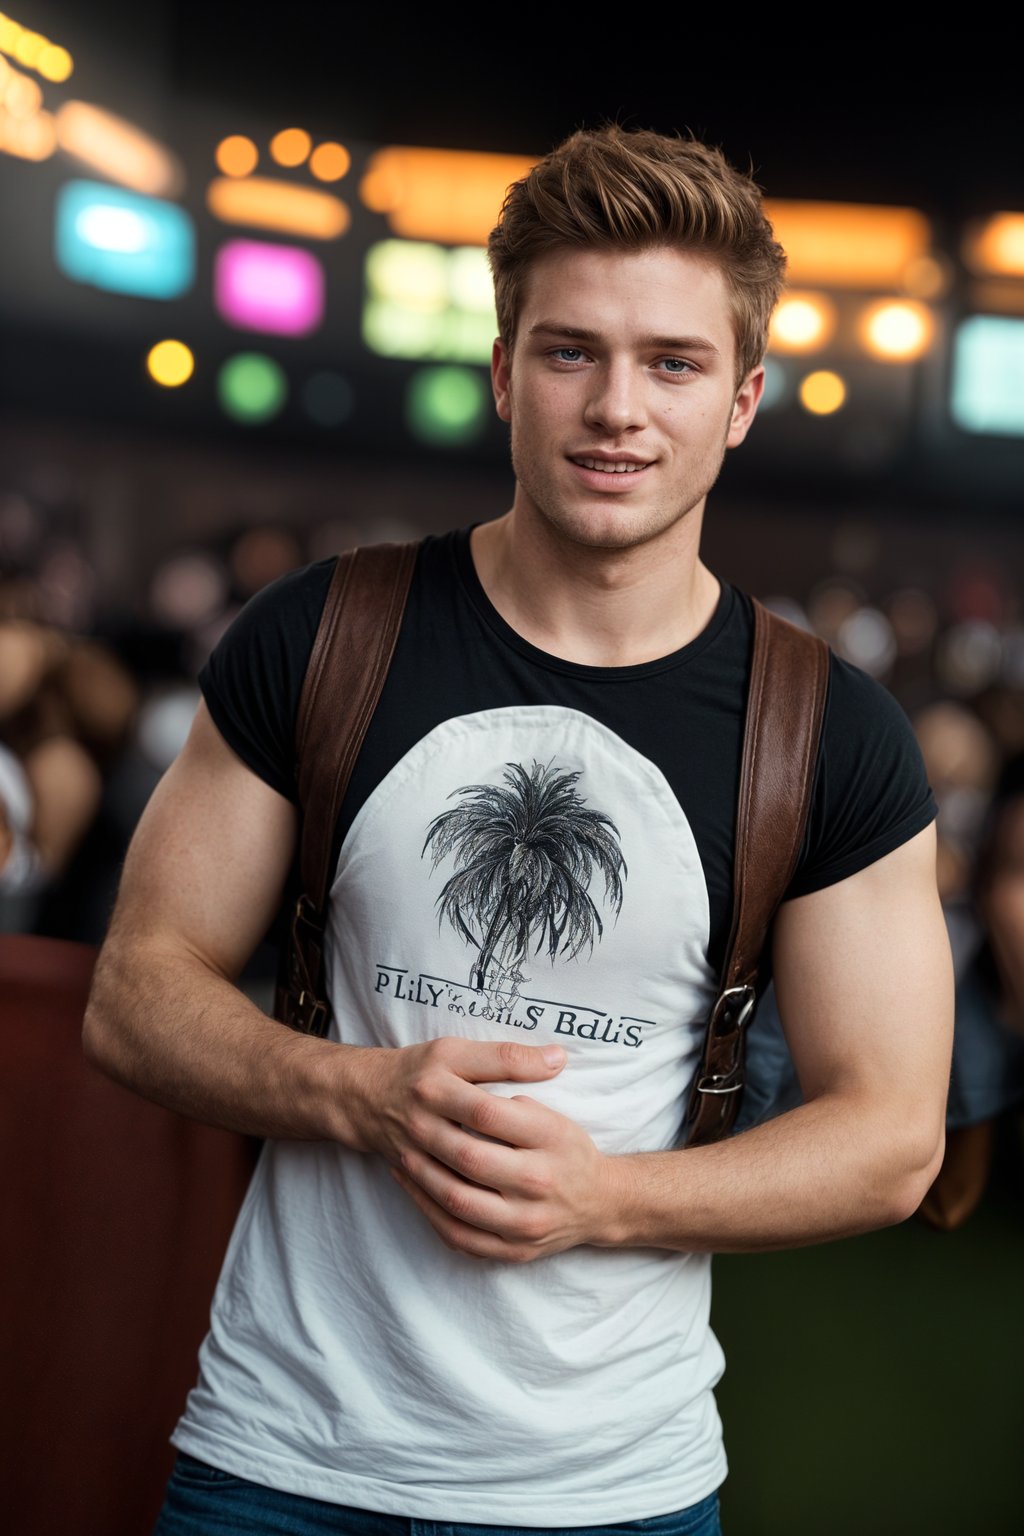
<point>661,343</point>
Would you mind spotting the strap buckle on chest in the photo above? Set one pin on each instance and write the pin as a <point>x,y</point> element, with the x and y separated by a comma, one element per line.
<point>732,1009</point>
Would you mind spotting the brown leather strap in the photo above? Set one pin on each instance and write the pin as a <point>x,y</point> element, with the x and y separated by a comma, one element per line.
<point>347,667</point>
<point>785,707</point>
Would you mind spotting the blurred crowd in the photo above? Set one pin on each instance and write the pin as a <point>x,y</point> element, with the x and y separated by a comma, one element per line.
<point>96,701</point>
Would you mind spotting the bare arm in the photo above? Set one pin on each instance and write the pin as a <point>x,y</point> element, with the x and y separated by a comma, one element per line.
<point>864,983</point>
<point>201,883</point>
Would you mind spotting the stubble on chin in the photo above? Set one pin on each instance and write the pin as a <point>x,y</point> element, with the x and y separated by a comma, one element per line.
<point>613,525</point>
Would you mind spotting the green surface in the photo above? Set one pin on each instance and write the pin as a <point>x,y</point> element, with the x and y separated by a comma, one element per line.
<point>877,1384</point>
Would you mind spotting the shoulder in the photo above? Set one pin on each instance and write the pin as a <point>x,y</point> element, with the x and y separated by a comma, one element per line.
<point>253,679</point>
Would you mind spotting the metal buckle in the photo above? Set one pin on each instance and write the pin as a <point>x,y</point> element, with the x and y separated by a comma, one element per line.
<point>704,1086</point>
<point>726,1001</point>
<point>315,1012</point>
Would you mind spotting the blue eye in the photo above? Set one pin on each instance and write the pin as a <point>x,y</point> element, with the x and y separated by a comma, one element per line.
<point>675,365</point>
<point>562,354</point>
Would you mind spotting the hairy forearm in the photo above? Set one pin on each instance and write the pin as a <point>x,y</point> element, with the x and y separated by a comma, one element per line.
<point>831,1168</point>
<point>163,1023</point>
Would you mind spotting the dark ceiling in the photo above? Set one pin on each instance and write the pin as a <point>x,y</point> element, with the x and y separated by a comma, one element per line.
<point>844,113</point>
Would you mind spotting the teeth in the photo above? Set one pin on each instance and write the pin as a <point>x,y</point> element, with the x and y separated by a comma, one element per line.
<point>620,467</point>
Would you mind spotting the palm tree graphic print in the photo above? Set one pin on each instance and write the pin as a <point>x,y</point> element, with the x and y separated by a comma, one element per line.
<point>525,852</point>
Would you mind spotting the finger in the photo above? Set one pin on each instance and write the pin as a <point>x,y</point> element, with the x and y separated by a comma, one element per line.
<point>493,1164</point>
<point>501,1061</point>
<point>464,1237</point>
<point>518,1121</point>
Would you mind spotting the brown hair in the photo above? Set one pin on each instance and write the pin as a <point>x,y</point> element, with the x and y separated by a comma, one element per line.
<point>615,188</point>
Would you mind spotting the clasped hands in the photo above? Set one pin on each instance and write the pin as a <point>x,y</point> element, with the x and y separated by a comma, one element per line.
<point>498,1178</point>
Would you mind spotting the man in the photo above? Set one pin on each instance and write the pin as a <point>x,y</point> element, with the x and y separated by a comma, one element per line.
<point>470,1283</point>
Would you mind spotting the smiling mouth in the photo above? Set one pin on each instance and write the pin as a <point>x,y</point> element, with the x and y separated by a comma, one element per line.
<point>610,466</point>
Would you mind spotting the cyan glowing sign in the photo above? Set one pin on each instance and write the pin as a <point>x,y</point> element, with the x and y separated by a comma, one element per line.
<point>988,375</point>
<point>123,242</point>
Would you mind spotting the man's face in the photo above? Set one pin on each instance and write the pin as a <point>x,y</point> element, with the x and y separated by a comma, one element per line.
<point>621,392</point>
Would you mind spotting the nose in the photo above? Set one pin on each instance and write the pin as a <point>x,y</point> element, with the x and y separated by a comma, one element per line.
<point>617,401</point>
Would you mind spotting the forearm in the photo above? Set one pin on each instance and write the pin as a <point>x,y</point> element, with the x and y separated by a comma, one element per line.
<point>161,1022</point>
<point>828,1169</point>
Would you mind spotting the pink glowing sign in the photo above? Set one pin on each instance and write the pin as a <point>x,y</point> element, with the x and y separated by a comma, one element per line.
<point>277,289</point>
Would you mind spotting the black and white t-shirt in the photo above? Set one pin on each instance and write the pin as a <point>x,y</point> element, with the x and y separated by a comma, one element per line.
<point>534,848</point>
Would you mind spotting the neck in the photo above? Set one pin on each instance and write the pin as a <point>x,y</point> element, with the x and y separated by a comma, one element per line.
<point>598,607</point>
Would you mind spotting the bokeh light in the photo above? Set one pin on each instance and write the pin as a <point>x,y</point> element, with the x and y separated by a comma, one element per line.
<point>776,384</point>
<point>119,241</point>
<point>897,330</point>
<point>188,589</point>
<point>446,407</point>
<point>260,555</point>
<point>822,392</point>
<point>278,289</point>
<point>969,656</point>
<point>803,322</point>
<point>170,363</point>
<point>329,161</point>
<point>265,202</point>
<point>328,398</point>
<point>988,375</point>
<point>236,155</point>
<point>291,147</point>
<point>866,639</point>
<point>55,64</point>
<point>996,248</point>
<point>251,387</point>
<point>22,96</point>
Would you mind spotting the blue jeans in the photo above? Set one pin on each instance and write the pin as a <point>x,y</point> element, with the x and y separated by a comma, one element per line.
<point>203,1501</point>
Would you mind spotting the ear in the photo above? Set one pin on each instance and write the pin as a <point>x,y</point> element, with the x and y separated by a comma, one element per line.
<point>748,398</point>
<point>501,379</point>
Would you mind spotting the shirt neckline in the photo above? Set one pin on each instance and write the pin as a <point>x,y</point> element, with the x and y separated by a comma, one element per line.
<point>489,615</point>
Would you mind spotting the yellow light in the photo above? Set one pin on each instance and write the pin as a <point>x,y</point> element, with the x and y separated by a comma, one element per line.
<point>803,322</point>
<point>237,155</point>
<point>170,363</point>
<point>55,63</point>
<point>29,138</point>
<point>28,47</point>
<point>848,245</point>
<point>291,146</point>
<point>440,194</point>
<point>10,31</point>
<point>22,95</point>
<point>996,249</point>
<point>822,393</point>
<point>329,162</point>
<point>897,330</point>
<point>118,150</point>
<point>269,204</point>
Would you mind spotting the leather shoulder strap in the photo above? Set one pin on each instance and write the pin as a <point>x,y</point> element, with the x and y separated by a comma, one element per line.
<point>354,644</point>
<point>344,679</point>
<point>785,708</point>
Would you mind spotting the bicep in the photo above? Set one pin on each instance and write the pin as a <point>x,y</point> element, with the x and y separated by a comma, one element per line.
<point>863,977</point>
<point>210,856</point>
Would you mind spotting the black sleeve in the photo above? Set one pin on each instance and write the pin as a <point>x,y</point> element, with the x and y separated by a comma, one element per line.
<point>252,682</point>
<point>871,791</point>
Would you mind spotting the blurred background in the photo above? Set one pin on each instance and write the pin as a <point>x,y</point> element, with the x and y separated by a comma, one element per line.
<point>245,322</point>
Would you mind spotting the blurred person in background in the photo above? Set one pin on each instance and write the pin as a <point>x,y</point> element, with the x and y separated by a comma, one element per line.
<point>471,1281</point>
<point>66,706</point>
<point>987,1080</point>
